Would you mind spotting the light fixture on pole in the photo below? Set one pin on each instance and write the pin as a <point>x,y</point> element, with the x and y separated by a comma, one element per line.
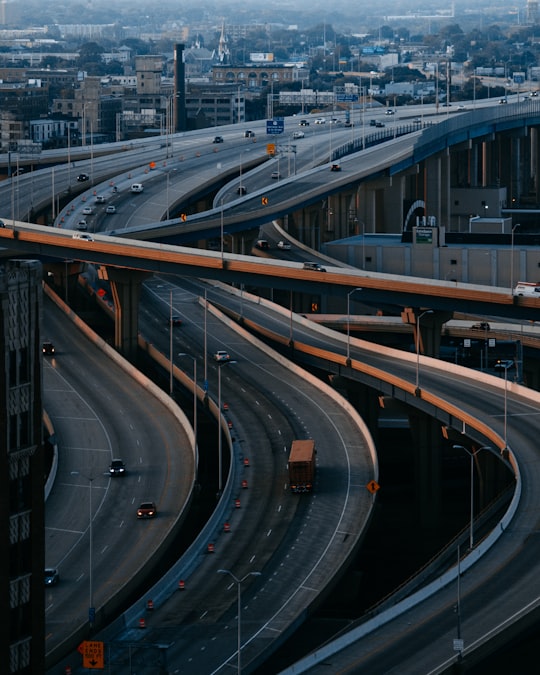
<point>505,365</point>
<point>194,398</point>
<point>220,442</point>
<point>512,258</point>
<point>238,583</point>
<point>91,608</point>
<point>354,290</point>
<point>221,228</point>
<point>171,383</point>
<point>472,456</point>
<point>427,311</point>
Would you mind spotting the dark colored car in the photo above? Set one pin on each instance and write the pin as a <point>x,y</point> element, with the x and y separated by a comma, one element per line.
<point>335,167</point>
<point>304,123</point>
<point>82,177</point>
<point>481,325</point>
<point>175,321</point>
<point>47,348</point>
<point>117,468</point>
<point>51,576</point>
<point>147,510</point>
<point>218,139</point>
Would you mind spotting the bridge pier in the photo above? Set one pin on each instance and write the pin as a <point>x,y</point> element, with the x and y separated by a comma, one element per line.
<point>430,326</point>
<point>126,291</point>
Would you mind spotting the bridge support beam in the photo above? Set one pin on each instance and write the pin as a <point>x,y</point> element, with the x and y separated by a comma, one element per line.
<point>429,323</point>
<point>126,290</point>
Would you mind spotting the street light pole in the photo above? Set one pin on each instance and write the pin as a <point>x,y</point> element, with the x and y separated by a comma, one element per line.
<point>512,258</point>
<point>238,583</point>
<point>194,397</point>
<point>91,608</point>
<point>221,227</point>
<point>472,456</point>
<point>427,311</point>
<point>349,324</point>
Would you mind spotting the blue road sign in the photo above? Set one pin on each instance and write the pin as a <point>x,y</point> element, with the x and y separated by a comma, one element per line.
<point>275,126</point>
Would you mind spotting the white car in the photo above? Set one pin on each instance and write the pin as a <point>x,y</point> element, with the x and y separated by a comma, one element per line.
<point>83,235</point>
<point>284,245</point>
<point>320,120</point>
<point>100,199</point>
<point>221,355</point>
<point>110,209</point>
<point>82,225</point>
<point>298,134</point>
<point>88,211</point>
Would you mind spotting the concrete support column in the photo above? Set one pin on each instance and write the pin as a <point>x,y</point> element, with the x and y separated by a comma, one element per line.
<point>126,290</point>
<point>430,325</point>
<point>432,186</point>
<point>427,442</point>
<point>364,399</point>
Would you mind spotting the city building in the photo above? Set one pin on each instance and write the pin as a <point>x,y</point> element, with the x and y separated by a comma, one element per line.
<point>22,596</point>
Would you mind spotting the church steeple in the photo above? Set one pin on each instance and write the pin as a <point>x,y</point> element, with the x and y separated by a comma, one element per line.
<point>223,49</point>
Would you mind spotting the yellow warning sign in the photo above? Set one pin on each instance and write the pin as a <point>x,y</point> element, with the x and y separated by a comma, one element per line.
<point>92,653</point>
<point>270,148</point>
<point>264,201</point>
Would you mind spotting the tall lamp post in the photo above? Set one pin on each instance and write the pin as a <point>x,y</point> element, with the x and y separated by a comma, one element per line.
<point>221,227</point>
<point>472,456</point>
<point>194,397</point>
<point>505,365</point>
<point>238,583</point>
<point>512,258</point>
<point>91,608</point>
<point>220,442</point>
<point>427,311</point>
<point>354,290</point>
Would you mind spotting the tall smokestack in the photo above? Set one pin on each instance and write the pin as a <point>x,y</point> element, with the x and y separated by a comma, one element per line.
<point>179,89</point>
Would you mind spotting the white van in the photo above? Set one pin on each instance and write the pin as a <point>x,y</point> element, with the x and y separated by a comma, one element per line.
<point>527,288</point>
<point>137,187</point>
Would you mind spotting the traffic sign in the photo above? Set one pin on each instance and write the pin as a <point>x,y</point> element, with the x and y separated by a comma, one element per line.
<point>92,653</point>
<point>373,486</point>
<point>264,201</point>
<point>275,126</point>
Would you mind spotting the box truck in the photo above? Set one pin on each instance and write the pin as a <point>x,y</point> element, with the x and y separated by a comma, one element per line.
<point>302,466</point>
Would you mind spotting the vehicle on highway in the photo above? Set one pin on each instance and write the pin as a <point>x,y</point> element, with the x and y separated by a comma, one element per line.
<point>389,112</point>
<point>248,133</point>
<point>110,209</point>
<point>372,123</point>
<point>378,123</point>
<point>314,267</point>
<point>175,321</point>
<point>481,325</point>
<point>82,224</point>
<point>137,187</point>
<point>529,288</point>
<point>146,510</point>
<point>88,211</point>
<point>218,139</point>
<point>320,120</point>
<point>83,235</point>
<point>2,224</point>
<point>303,123</point>
<point>47,348</point>
<point>117,468</point>
<point>100,199</point>
<point>51,576</point>
<point>221,355</point>
<point>302,465</point>
<point>262,244</point>
<point>276,174</point>
<point>83,177</point>
<point>298,134</point>
<point>335,167</point>
<point>284,245</point>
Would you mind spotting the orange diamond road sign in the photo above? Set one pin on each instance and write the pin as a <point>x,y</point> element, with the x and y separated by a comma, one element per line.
<point>92,653</point>
<point>373,486</point>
